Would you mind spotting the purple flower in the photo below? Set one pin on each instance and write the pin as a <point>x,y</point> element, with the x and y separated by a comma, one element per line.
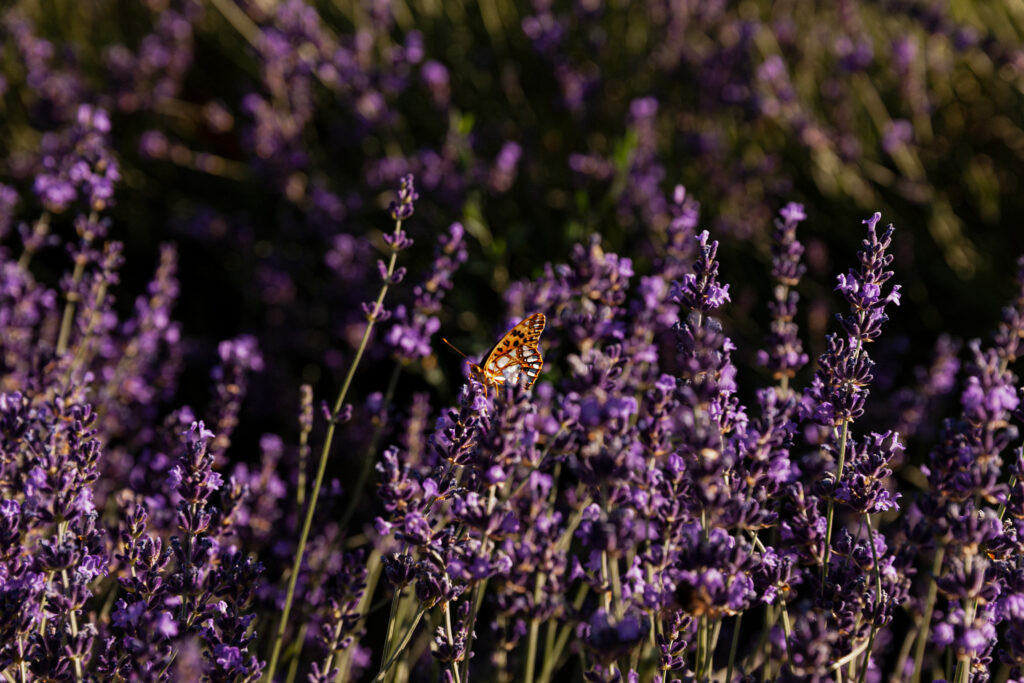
<point>402,208</point>
<point>411,334</point>
<point>435,76</point>
<point>8,203</point>
<point>864,289</point>
<point>78,164</point>
<point>897,135</point>
<point>503,172</point>
<point>699,291</point>
<point>864,488</point>
<point>784,355</point>
<point>239,358</point>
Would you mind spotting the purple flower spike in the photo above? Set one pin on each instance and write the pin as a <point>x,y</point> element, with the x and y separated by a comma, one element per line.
<point>503,173</point>
<point>8,203</point>
<point>864,289</point>
<point>410,336</point>
<point>699,291</point>
<point>78,164</point>
<point>784,355</point>
<point>402,208</point>
<point>375,312</point>
<point>864,488</point>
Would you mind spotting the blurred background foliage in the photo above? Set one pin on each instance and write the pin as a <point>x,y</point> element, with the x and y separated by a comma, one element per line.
<point>254,133</point>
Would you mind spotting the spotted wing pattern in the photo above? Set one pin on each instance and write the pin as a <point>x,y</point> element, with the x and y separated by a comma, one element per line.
<point>516,357</point>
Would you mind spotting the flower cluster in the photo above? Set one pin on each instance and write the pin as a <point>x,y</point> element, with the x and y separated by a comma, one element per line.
<point>77,164</point>
<point>414,326</point>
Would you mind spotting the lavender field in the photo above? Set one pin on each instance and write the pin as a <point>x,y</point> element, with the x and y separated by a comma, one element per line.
<point>760,422</point>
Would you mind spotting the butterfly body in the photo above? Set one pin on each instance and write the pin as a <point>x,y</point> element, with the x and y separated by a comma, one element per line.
<point>515,358</point>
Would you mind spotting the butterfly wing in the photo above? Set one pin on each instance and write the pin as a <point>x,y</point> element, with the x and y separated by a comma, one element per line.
<point>516,357</point>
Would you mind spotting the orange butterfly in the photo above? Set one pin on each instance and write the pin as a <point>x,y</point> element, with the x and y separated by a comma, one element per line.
<point>515,357</point>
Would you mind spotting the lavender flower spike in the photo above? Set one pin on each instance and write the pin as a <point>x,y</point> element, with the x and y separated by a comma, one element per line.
<point>402,209</point>
<point>784,355</point>
<point>864,289</point>
<point>699,290</point>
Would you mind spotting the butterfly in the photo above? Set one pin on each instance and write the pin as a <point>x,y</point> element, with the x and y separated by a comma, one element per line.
<point>514,359</point>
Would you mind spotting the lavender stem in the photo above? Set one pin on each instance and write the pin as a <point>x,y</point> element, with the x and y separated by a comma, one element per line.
<point>926,618</point>
<point>878,587</point>
<point>401,646</point>
<point>322,469</point>
<point>371,450</point>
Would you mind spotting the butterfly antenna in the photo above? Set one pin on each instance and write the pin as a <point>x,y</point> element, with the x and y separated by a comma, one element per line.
<point>455,348</point>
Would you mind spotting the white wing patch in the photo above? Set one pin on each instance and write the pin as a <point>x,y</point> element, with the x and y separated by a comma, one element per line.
<point>511,373</point>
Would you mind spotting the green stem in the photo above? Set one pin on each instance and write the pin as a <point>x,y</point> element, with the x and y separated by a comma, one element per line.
<point>373,571</point>
<point>878,588</point>
<point>239,21</point>
<point>531,643</point>
<point>606,593</point>
<point>848,658</point>
<point>565,540</point>
<point>296,654</point>
<point>963,664</point>
<point>329,659</point>
<point>170,660</point>
<point>634,659</point>
<point>74,627</point>
<point>551,660</point>
<point>867,654</point>
<point>1002,506</point>
<point>21,659</point>
<point>73,620</point>
<point>832,503</point>
<point>481,588</point>
<point>371,451</point>
<point>961,670</point>
<point>83,344</point>
<point>446,608</point>
<point>391,628</point>
<point>322,469</point>
<point>401,646</point>
<point>478,599</point>
<point>550,631</point>
<point>41,228</point>
<point>300,487</point>
<point>500,656</point>
<point>905,648</point>
<point>716,630</point>
<point>702,634</point>
<point>839,477</point>
<point>926,619</point>
<point>733,646</point>
<point>69,307</point>
<point>42,603</point>
<point>765,642</point>
<point>620,608</point>
<point>402,619</point>
<point>787,629</point>
<point>188,609</point>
